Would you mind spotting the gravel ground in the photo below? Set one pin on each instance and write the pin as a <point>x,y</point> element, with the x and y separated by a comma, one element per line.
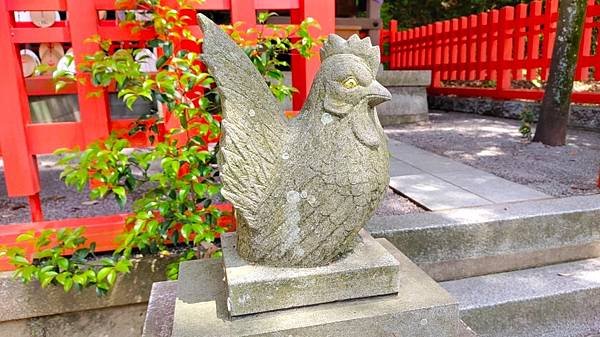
<point>60,202</point>
<point>495,145</point>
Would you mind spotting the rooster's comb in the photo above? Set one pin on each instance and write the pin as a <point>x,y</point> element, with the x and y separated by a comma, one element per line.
<point>336,45</point>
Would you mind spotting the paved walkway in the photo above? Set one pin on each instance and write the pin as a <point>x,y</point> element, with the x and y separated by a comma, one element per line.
<point>439,183</point>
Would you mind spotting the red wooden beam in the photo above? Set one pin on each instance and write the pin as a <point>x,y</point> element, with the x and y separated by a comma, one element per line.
<point>44,86</point>
<point>68,134</point>
<point>304,71</point>
<point>37,5</point>
<point>95,116</point>
<point>20,167</point>
<point>40,35</point>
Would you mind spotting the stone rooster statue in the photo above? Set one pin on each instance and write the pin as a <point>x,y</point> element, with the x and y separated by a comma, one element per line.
<point>302,188</point>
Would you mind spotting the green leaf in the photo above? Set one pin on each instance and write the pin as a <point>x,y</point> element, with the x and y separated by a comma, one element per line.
<point>30,235</point>
<point>111,277</point>
<point>68,284</point>
<point>123,265</point>
<point>47,278</point>
<point>186,230</point>
<point>103,273</point>
<point>63,263</point>
<point>80,279</point>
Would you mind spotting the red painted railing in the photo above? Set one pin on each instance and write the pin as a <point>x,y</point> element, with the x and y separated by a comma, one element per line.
<point>514,43</point>
<point>21,140</point>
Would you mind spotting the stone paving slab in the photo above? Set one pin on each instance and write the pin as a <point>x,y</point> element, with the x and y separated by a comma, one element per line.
<point>434,193</point>
<point>491,187</point>
<point>437,183</point>
<point>400,168</point>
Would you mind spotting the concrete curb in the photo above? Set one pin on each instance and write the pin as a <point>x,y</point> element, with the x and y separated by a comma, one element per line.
<point>482,240</point>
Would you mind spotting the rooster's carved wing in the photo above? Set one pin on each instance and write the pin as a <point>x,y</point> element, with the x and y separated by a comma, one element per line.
<point>253,125</point>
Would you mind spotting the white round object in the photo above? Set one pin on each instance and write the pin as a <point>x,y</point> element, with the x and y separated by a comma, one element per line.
<point>29,61</point>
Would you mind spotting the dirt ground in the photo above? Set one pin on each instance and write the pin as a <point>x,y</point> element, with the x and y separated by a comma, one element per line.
<point>495,145</point>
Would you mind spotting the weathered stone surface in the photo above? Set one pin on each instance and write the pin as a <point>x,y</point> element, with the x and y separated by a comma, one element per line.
<point>302,188</point>
<point>161,307</point>
<point>370,270</point>
<point>404,78</point>
<point>491,239</point>
<point>20,301</point>
<point>554,301</point>
<point>123,321</point>
<point>408,105</point>
<point>421,309</point>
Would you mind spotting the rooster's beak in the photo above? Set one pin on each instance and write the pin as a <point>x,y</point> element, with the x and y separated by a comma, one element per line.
<point>378,94</point>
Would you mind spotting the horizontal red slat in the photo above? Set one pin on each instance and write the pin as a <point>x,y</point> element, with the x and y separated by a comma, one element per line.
<point>46,138</point>
<point>116,33</point>
<point>206,5</point>
<point>40,35</point>
<point>44,86</point>
<point>223,5</point>
<point>39,5</point>
<point>277,4</point>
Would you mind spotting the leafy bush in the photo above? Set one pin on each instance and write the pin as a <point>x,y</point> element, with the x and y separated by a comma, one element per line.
<point>179,208</point>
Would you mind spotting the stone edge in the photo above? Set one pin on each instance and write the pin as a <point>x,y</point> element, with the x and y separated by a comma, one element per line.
<point>254,307</point>
<point>22,301</point>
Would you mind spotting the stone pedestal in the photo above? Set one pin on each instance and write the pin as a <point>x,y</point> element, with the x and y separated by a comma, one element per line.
<point>420,309</point>
<point>409,96</point>
<point>370,270</point>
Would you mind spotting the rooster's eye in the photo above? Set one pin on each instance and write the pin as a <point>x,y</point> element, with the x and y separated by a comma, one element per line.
<point>350,83</point>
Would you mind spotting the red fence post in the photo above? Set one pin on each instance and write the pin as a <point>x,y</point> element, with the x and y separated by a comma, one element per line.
<point>492,45</point>
<point>304,70</point>
<point>463,47</point>
<point>244,11</point>
<point>20,166</point>
<point>482,46</point>
<point>519,38</point>
<point>95,113</point>
<point>583,70</point>
<point>533,40</point>
<point>438,29</point>
<point>549,35</point>
<point>393,38</point>
<point>503,65</point>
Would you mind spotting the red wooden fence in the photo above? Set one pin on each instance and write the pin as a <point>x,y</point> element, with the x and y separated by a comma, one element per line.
<point>514,43</point>
<point>21,140</point>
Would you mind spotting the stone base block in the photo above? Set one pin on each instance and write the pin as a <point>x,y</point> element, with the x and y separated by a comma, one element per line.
<point>370,270</point>
<point>408,105</point>
<point>420,309</point>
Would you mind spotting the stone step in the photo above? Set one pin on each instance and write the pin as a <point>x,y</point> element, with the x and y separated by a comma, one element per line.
<point>561,300</point>
<point>466,242</point>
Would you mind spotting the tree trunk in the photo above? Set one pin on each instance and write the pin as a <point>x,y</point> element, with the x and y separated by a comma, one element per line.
<point>554,116</point>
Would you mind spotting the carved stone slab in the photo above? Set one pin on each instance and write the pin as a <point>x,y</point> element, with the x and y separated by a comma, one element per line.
<point>370,270</point>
